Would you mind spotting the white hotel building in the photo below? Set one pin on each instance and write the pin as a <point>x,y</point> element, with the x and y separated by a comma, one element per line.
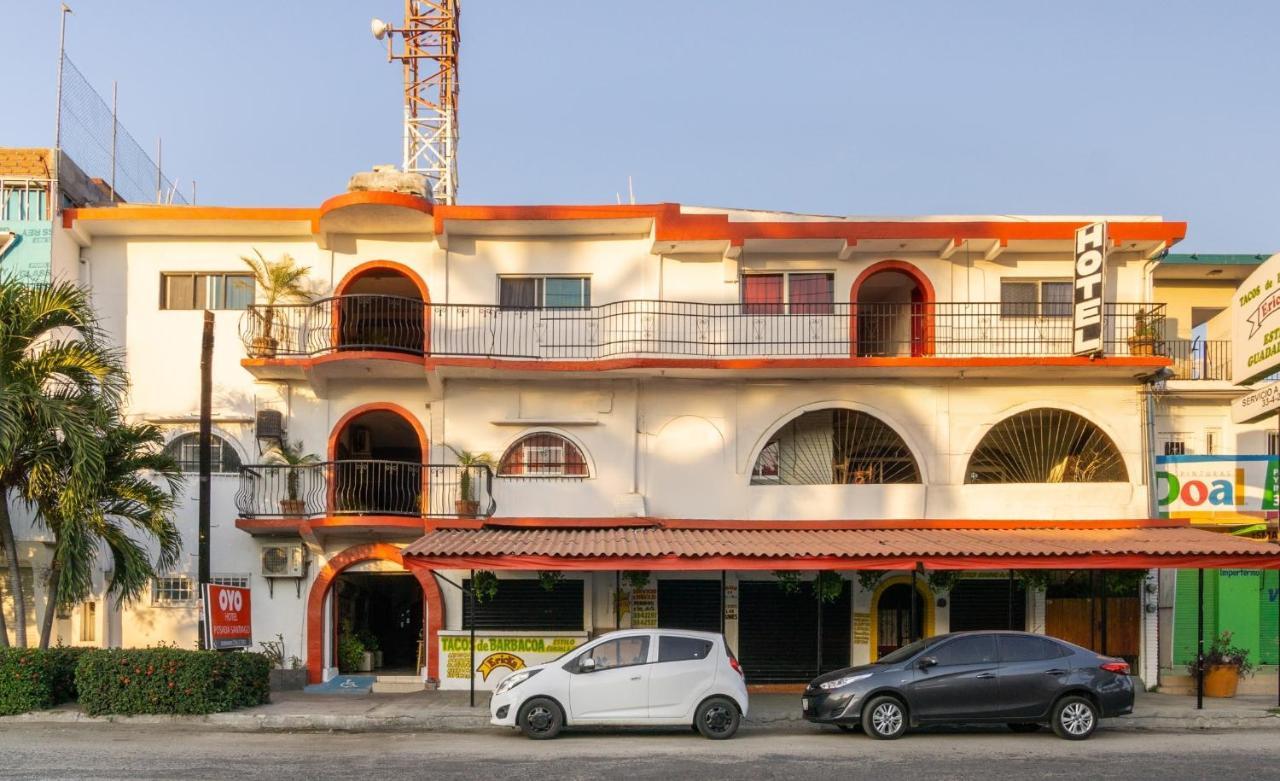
<point>680,403</point>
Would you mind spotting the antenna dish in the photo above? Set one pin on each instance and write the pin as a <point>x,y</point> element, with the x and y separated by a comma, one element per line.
<point>379,29</point>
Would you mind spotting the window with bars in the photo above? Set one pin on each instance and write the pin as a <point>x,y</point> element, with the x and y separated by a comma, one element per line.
<point>206,290</point>
<point>790,292</point>
<point>543,455</point>
<point>1035,298</point>
<point>186,451</point>
<point>1273,443</point>
<point>1046,445</point>
<point>172,590</point>
<point>1211,438</point>
<point>239,580</point>
<point>835,447</point>
<point>544,292</point>
<point>1175,445</point>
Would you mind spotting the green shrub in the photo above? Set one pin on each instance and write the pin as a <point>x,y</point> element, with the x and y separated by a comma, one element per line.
<point>170,680</point>
<point>65,660</point>
<point>35,679</point>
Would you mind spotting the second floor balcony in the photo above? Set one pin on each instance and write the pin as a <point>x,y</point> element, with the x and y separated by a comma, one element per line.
<point>365,326</point>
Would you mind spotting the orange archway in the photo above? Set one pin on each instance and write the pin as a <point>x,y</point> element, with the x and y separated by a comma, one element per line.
<point>383,306</point>
<point>377,406</point>
<point>432,603</point>
<point>382,265</point>
<point>337,473</point>
<point>923,299</point>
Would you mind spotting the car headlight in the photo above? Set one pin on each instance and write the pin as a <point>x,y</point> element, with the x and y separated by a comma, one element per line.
<point>840,683</point>
<point>515,679</point>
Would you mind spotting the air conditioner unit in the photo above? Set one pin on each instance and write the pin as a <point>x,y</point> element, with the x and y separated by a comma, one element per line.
<point>283,560</point>
<point>269,425</point>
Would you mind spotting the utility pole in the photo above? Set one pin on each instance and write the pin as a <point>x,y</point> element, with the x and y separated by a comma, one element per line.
<point>206,462</point>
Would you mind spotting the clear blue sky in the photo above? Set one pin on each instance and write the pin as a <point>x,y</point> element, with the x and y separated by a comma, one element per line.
<point>837,107</point>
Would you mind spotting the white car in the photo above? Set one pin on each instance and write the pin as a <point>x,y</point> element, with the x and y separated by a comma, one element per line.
<point>638,677</point>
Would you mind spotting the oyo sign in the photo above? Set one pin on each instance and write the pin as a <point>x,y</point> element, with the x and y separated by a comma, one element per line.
<point>228,617</point>
<point>1216,489</point>
<point>1255,324</point>
<point>1087,326</point>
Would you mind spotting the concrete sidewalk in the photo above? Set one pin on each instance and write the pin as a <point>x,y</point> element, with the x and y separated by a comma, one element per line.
<point>449,712</point>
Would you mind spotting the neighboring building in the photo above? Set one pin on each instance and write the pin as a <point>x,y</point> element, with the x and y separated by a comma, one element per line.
<point>678,402</point>
<point>1193,419</point>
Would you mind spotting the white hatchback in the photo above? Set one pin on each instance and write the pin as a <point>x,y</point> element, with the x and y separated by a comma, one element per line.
<point>638,677</point>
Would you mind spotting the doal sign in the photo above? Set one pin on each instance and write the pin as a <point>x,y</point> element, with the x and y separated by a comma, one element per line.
<point>1217,489</point>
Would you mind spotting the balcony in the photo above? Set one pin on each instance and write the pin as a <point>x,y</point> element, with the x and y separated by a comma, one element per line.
<point>360,494</point>
<point>1200,359</point>
<point>676,334</point>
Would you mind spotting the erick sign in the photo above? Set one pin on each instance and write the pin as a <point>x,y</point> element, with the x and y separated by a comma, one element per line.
<point>1090,276</point>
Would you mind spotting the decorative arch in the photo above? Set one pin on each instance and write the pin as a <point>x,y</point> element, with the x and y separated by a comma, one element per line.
<point>227,440</point>
<point>910,449</point>
<point>922,310</point>
<point>432,603</point>
<point>349,311</point>
<point>578,458</point>
<point>382,265</point>
<point>922,588</point>
<point>376,406</point>
<point>1045,445</point>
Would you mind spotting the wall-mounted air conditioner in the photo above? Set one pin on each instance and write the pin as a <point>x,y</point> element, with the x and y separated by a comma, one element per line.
<point>283,560</point>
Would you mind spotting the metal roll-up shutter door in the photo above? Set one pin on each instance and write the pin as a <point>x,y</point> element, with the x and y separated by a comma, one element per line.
<point>778,632</point>
<point>978,603</point>
<point>525,604</point>
<point>689,604</point>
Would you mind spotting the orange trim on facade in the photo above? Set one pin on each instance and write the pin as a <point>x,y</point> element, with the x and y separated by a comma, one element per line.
<point>383,265</point>
<point>370,198</point>
<point>377,406</point>
<point>184,213</point>
<point>925,346</point>
<point>432,604</point>
<point>747,524</point>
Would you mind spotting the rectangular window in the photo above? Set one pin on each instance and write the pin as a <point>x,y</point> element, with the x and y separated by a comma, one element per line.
<point>211,290</point>
<point>172,591</point>
<point>1273,443</point>
<point>1211,438</point>
<point>239,579</point>
<point>682,649</point>
<point>89,622</point>
<point>1035,298</point>
<point>544,292</point>
<point>1175,445</point>
<point>797,293</point>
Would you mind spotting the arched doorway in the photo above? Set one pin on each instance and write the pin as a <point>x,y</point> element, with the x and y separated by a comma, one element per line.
<point>382,306</point>
<point>892,615</point>
<point>378,451</point>
<point>892,311</point>
<point>324,622</point>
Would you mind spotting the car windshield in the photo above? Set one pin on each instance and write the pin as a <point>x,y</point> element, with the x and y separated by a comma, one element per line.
<point>905,652</point>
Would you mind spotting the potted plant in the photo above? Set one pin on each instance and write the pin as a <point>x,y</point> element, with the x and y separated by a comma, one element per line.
<point>1224,666</point>
<point>278,282</point>
<point>351,653</point>
<point>468,503</point>
<point>290,455</point>
<point>373,648</point>
<point>1143,339</point>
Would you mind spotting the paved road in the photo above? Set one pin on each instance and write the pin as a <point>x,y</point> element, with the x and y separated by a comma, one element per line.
<point>146,752</point>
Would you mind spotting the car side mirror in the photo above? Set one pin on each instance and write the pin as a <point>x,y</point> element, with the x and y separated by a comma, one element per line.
<point>927,662</point>
<point>587,665</point>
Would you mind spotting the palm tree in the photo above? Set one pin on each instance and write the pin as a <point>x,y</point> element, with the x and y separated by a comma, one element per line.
<point>279,281</point>
<point>293,456</point>
<point>53,357</point>
<point>132,503</point>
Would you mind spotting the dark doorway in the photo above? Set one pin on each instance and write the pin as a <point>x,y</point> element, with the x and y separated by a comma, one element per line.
<point>381,310</point>
<point>894,627</point>
<point>689,604</point>
<point>379,466</point>
<point>384,611</point>
<point>778,632</point>
<point>982,603</point>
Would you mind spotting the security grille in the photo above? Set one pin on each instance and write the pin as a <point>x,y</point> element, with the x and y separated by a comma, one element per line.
<point>1046,446</point>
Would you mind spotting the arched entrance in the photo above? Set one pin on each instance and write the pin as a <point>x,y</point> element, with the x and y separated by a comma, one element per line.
<point>893,311</point>
<point>892,613</point>
<point>378,451</point>
<point>381,306</point>
<point>322,618</point>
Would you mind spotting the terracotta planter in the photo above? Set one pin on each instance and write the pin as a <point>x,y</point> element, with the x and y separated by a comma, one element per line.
<point>466,507</point>
<point>264,347</point>
<point>1220,680</point>
<point>293,508</point>
<point>1142,345</point>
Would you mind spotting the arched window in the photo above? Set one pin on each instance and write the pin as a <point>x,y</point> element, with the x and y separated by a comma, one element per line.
<point>1046,445</point>
<point>835,446</point>
<point>186,451</point>
<point>543,455</point>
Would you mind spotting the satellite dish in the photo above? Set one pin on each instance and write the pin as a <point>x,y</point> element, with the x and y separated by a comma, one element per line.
<point>379,28</point>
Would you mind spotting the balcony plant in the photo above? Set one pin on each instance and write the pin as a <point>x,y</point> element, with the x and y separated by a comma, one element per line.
<point>290,455</point>
<point>1224,666</point>
<point>1143,339</point>
<point>278,282</point>
<point>468,503</point>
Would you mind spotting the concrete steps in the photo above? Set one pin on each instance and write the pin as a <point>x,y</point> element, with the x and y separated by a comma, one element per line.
<point>398,684</point>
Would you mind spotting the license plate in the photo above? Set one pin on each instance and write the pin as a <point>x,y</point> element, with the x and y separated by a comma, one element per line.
<point>804,703</point>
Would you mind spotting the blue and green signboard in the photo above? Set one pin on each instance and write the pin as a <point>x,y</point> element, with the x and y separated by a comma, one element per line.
<point>28,256</point>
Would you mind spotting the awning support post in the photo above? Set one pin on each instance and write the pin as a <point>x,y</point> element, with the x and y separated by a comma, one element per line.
<point>817,594</point>
<point>911,633</point>
<point>1200,639</point>
<point>1010,621</point>
<point>471,600</point>
<point>723,606</point>
<point>617,599</point>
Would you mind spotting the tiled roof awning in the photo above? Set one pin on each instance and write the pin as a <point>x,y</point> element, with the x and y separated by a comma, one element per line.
<point>935,545</point>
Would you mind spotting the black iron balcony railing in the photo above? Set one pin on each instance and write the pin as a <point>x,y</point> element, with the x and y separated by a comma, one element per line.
<point>1200,359</point>
<point>676,329</point>
<point>365,487</point>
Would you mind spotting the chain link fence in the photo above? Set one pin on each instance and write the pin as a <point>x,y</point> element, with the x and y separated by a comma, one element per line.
<point>87,125</point>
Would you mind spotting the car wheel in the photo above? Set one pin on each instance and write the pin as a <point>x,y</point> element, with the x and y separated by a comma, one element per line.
<point>540,719</point>
<point>1074,718</point>
<point>884,718</point>
<point>1024,727</point>
<point>717,718</point>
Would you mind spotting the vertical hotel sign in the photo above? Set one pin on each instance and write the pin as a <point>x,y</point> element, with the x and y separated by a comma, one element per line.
<point>1087,326</point>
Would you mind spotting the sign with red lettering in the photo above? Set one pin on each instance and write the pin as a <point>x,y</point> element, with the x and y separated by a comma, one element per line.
<point>228,619</point>
<point>1255,324</point>
<point>1087,326</point>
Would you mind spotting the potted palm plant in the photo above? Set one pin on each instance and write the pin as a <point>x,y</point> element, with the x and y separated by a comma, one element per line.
<point>468,503</point>
<point>1143,339</point>
<point>278,282</point>
<point>291,456</point>
<point>1224,666</point>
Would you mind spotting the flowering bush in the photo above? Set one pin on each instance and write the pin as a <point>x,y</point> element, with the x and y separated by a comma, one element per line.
<point>1222,652</point>
<point>35,679</point>
<point>171,680</point>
